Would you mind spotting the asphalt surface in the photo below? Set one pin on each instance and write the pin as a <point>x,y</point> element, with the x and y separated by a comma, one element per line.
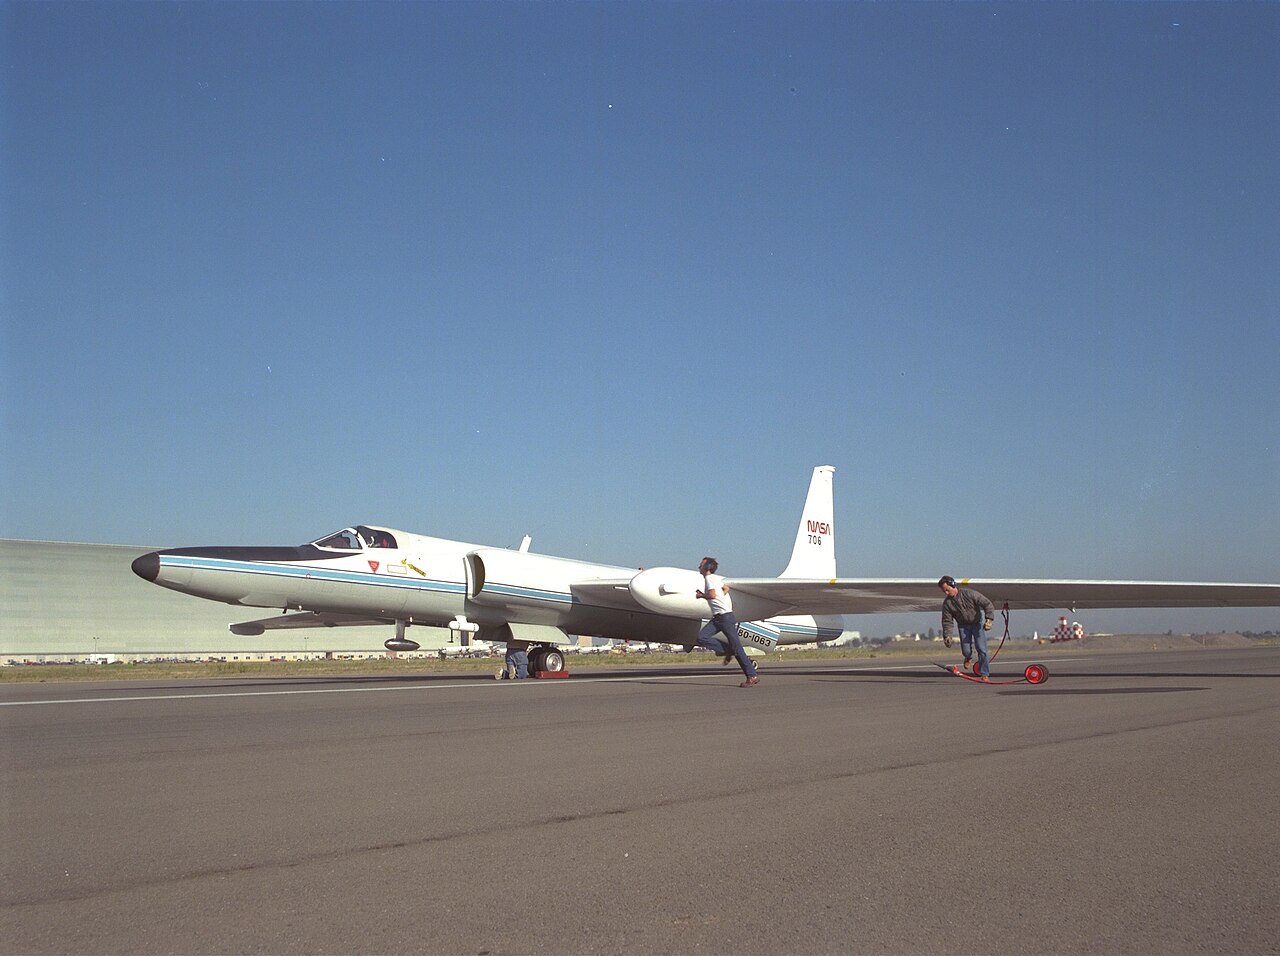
<point>1127,805</point>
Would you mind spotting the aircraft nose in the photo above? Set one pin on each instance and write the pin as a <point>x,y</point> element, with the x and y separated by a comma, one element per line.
<point>147,567</point>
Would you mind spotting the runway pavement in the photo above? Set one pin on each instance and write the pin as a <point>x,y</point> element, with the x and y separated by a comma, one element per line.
<point>1127,805</point>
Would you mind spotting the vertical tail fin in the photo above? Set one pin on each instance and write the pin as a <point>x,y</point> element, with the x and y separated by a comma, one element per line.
<point>814,554</point>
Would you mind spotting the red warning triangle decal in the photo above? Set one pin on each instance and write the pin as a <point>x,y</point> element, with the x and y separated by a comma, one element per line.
<point>373,566</point>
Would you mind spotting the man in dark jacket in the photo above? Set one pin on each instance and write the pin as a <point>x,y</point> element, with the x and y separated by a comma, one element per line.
<point>974,614</point>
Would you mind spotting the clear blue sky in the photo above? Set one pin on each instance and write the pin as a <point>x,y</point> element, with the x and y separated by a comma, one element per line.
<point>620,275</point>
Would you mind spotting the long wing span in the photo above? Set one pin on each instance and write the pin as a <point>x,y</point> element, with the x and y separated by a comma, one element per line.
<point>286,622</point>
<point>776,596</point>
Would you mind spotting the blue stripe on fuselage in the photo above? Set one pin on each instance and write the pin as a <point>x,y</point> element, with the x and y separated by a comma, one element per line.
<point>533,594</point>
<point>310,571</point>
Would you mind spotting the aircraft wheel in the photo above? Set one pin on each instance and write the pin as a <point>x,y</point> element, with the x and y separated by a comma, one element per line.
<point>552,660</point>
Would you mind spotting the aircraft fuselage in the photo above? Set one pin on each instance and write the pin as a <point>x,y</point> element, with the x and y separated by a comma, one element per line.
<point>384,575</point>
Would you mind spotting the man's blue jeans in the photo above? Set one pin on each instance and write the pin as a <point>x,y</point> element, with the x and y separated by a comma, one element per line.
<point>727,625</point>
<point>517,660</point>
<point>973,636</point>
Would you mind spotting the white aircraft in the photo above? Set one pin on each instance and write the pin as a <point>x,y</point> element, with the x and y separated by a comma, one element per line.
<point>372,575</point>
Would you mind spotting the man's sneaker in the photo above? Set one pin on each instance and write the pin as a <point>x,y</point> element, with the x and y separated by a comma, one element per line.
<point>750,682</point>
<point>968,664</point>
<point>727,659</point>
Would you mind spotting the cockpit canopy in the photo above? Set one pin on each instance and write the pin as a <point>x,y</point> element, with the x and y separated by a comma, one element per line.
<point>357,539</point>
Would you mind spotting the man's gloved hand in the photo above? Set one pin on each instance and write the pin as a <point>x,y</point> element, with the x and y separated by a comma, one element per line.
<point>986,625</point>
<point>946,640</point>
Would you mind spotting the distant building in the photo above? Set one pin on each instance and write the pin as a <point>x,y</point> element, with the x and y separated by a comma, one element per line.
<point>1067,632</point>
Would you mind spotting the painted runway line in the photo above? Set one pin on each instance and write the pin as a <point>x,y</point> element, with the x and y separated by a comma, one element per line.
<point>291,692</point>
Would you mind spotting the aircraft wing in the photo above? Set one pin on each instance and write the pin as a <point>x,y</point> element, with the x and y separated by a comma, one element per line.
<point>612,594</point>
<point>286,622</point>
<point>768,597</point>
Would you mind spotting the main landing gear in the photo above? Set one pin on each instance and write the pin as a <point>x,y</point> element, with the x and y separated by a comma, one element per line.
<point>544,662</point>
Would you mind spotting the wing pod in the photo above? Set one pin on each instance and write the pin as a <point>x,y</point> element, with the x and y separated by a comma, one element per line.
<point>672,591</point>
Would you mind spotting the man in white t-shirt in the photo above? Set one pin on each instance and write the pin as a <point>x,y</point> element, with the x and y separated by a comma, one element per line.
<point>715,591</point>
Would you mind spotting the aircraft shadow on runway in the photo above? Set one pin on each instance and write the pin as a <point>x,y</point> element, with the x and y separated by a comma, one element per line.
<point>913,676</point>
<point>1058,674</point>
<point>1095,691</point>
